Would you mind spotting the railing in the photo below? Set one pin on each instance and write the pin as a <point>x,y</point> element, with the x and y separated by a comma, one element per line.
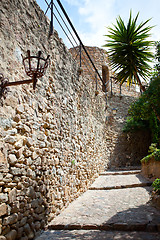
<point>111,81</point>
<point>60,15</point>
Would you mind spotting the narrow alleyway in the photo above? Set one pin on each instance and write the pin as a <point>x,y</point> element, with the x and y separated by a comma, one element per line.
<point>116,206</point>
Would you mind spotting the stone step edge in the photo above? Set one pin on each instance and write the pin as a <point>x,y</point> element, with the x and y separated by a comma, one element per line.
<point>122,186</point>
<point>120,172</point>
<point>150,227</point>
<point>131,168</point>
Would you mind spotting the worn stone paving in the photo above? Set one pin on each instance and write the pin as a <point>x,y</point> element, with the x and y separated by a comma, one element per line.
<point>120,181</point>
<point>126,209</point>
<point>97,235</point>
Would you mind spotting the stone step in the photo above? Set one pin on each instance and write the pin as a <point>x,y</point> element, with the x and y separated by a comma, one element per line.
<point>110,227</point>
<point>120,209</point>
<point>121,186</point>
<point>107,182</point>
<point>126,168</point>
<point>122,172</point>
<point>97,235</point>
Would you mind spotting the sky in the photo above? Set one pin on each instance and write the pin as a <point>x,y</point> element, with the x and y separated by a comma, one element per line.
<point>92,17</point>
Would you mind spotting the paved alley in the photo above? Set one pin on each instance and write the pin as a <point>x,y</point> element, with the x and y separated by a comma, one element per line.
<point>116,206</point>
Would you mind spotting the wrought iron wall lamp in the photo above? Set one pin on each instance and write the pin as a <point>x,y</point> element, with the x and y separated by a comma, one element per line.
<point>35,67</point>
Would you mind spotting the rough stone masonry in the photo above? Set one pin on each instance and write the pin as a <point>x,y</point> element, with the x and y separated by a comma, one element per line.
<point>52,140</point>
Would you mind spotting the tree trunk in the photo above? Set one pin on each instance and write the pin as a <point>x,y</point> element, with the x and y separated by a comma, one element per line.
<point>139,82</point>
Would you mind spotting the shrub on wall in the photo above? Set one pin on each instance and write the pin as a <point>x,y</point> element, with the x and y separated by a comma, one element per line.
<point>145,112</point>
<point>154,154</point>
<point>156,186</point>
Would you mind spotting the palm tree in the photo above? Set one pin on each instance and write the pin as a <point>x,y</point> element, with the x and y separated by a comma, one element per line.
<point>129,50</point>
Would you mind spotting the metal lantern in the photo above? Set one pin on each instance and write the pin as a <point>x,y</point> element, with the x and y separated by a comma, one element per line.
<point>35,67</point>
<point>114,111</point>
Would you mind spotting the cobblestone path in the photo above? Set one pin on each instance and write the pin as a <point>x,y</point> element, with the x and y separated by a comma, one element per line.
<point>115,207</point>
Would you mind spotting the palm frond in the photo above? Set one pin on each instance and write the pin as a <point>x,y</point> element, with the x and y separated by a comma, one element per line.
<point>129,49</point>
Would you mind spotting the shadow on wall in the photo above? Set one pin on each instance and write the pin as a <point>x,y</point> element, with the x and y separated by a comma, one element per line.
<point>130,148</point>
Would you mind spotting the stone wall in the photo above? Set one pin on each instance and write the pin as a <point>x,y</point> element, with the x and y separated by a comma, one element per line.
<point>99,57</point>
<point>52,140</point>
<point>123,149</point>
<point>151,169</point>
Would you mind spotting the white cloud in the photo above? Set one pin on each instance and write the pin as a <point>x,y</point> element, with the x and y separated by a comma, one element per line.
<point>74,2</point>
<point>93,39</point>
<point>91,17</point>
<point>96,15</point>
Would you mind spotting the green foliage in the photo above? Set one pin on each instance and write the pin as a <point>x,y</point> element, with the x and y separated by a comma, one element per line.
<point>152,94</point>
<point>129,50</point>
<point>133,125</point>
<point>153,148</point>
<point>156,186</point>
<point>157,57</point>
<point>154,153</point>
<point>147,158</point>
<point>73,162</point>
<point>146,110</point>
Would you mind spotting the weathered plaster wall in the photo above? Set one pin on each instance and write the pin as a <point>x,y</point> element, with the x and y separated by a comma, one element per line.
<point>52,140</point>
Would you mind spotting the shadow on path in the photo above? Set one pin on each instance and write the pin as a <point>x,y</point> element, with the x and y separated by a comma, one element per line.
<point>97,235</point>
<point>142,218</point>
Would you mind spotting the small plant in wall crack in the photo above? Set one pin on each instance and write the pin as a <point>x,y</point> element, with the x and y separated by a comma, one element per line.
<point>73,162</point>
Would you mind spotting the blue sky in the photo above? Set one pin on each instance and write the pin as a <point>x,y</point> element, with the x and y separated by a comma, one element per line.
<point>91,17</point>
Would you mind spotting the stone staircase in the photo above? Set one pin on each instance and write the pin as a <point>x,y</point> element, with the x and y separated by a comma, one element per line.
<point>116,206</point>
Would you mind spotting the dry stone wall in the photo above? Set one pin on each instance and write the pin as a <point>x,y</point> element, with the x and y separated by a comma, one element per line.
<point>55,140</point>
<point>98,55</point>
<point>52,140</point>
<point>123,149</point>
